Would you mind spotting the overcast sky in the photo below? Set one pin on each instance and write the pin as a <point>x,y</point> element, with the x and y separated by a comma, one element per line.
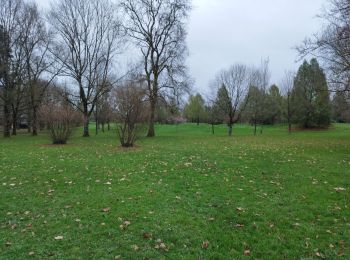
<point>224,32</point>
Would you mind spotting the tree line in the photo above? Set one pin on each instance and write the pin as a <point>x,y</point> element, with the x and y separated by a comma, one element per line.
<point>244,95</point>
<point>62,68</point>
<point>75,48</point>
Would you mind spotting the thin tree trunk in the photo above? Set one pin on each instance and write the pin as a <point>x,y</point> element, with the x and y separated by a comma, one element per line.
<point>255,126</point>
<point>151,132</point>
<point>212,129</point>
<point>35,122</point>
<point>14,123</point>
<point>7,123</point>
<point>230,129</point>
<point>86,124</point>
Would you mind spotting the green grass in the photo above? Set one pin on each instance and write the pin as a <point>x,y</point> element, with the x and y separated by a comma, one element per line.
<point>272,194</point>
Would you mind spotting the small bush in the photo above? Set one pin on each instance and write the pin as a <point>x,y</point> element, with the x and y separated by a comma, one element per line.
<point>130,113</point>
<point>60,120</point>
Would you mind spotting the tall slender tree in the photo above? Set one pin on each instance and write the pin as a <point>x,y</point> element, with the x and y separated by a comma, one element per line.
<point>5,87</point>
<point>158,29</point>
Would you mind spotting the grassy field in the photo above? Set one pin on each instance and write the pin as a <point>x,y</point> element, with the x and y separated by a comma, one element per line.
<point>184,195</point>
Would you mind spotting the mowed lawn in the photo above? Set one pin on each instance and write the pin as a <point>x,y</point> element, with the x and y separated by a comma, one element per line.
<point>185,194</point>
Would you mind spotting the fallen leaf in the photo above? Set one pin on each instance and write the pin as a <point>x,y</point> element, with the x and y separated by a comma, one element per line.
<point>147,235</point>
<point>246,252</point>
<point>339,189</point>
<point>135,247</point>
<point>205,244</point>
<point>106,210</point>
<point>59,238</point>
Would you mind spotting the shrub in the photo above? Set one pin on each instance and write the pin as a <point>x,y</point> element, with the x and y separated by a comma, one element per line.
<point>60,120</point>
<point>130,113</point>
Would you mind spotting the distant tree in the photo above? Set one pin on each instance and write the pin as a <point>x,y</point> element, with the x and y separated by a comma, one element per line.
<point>287,88</point>
<point>341,107</point>
<point>158,29</point>
<point>255,110</point>
<point>195,109</point>
<point>310,96</point>
<point>256,100</point>
<point>231,96</point>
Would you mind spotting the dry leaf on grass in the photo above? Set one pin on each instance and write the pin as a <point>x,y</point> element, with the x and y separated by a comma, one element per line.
<point>205,244</point>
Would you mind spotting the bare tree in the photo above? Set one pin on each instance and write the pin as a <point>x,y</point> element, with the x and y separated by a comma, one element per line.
<point>233,87</point>
<point>287,87</point>
<point>12,82</point>
<point>87,39</point>
<point>332,44</point>
<point>158,29</point>
<point>5,86</point>
<point>36,42</point>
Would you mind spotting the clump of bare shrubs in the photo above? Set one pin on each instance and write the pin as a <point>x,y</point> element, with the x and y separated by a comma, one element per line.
<point>60,120</point>
<point>130,112</point>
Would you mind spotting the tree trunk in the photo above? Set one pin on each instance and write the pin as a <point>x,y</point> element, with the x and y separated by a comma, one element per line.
<point>14,123</point>
<point>289,127</point>
<point>35,122</point>
<point>86,124</point>
<point>151,132</point>
<point>108,126</point>
<point>255,126</point>
<point>96,123</point>
<point>230,129</point>
<point>212,129</point>
<point>197,120</point>
<point>7,122</point>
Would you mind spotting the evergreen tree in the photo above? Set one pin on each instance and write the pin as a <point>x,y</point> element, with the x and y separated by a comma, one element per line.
<point>273,106</point>
<point>310,96</point>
